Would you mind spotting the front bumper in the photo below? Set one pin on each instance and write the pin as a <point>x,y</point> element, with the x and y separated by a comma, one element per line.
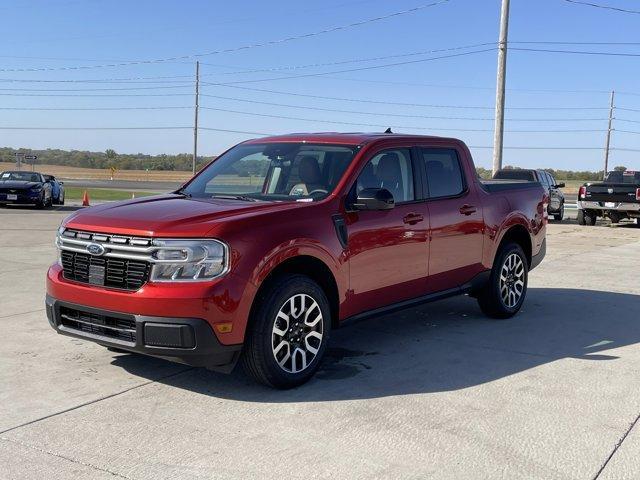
<point>22,198</point>
<point>185,340</point>
<point>631,208</point>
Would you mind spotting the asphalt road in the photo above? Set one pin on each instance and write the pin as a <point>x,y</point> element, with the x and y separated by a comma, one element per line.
<point>435,392</point>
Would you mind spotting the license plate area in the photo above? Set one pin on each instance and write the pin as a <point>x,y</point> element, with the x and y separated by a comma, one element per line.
<point>610,204</point>
<point>96,274</point>
<point>12,196</point>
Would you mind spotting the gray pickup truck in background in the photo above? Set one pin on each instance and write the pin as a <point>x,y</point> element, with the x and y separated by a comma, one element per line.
<point>617,197</point>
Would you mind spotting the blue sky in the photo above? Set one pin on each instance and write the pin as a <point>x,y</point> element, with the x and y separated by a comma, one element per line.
<point>55,34</point>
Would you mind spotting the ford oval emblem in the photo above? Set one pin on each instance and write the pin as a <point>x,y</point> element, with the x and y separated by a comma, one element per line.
<point>95,249</point>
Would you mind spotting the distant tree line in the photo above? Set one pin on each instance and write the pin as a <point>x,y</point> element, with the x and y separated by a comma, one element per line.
<point>107,159</point>
<point>182,162</point>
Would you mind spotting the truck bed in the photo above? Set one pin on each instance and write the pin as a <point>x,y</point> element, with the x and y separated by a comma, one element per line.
<point>494,186</point>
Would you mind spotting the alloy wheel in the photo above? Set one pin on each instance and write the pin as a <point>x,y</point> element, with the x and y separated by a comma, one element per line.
<point>297,333</point>
<point>512,277</point>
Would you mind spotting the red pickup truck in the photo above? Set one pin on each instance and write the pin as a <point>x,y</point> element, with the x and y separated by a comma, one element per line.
<point>282,239</point>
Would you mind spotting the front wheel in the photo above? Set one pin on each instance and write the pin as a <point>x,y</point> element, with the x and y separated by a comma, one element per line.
<point>560,215</point>
<point>288,332</point>
<point>506,289</point>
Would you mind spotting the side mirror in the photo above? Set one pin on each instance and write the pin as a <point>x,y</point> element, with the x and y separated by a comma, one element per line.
<point>560,185</point>
<point>374,199</point>
<point>61,183</point>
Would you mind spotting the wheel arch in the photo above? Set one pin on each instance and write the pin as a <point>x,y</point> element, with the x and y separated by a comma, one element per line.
<point>310,266</point>
<point>518,234</point>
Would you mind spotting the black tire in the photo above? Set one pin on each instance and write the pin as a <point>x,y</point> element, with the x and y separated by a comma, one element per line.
<point>560,215</point>
<point>258,358</point>
<point>40,204</point>
<point>490,297</point>
<point>590,218</point>
<point>581,220</point>
<point>61,200</point>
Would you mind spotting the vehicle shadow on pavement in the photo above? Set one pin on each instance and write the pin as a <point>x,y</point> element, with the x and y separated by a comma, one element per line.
<point>442,346</point>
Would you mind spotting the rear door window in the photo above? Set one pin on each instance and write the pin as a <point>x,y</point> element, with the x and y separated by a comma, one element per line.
<point>444,172</point>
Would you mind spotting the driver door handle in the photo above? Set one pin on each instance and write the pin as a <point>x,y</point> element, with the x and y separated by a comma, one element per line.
<point>412,218</point>
<point>468,209</point>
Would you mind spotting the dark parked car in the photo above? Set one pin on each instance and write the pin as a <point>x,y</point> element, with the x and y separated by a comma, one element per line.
<point>57,189</point>
<point>556,197</point>
<point>618,197</point>
<point>25,188</point>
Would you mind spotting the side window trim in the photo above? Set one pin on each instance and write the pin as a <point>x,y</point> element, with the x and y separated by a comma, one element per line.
<point>465,183</point>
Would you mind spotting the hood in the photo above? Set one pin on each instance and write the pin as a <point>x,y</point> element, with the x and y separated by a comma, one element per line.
<point>167,215</point>
<point>18,184</point>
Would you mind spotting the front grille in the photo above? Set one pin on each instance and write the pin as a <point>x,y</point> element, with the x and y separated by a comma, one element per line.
<point>104,271</point>
<point>103,325</point>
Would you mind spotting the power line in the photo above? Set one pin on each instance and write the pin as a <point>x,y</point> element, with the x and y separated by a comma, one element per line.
<point>94,128</point>
<point>92,89</point>
<point>400,104</point>
<point>356,60</point>
<point>359,69</point>
<point>627,131</point>
<point>240,48</point>
<point>627,120</point>
<point>606,7</point>
<point>90,109</point>
<point>339,122</point>
<point>576,52</point>
<point>382,114</point>
<point>95,95</point>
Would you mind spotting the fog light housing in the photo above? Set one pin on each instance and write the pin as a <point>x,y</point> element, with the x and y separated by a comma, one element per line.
<point>168,335</point>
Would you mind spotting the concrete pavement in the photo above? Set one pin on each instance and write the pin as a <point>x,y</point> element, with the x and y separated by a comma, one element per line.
<point>435,392</point>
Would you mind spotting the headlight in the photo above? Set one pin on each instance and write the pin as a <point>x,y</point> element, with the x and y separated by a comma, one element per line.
<point>189,260</point>
<point>36,188</point>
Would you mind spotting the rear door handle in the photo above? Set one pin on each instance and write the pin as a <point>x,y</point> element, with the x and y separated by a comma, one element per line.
<point>412,218</point>
<point>468,209</point>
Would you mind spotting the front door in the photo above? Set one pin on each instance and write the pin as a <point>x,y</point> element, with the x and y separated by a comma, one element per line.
<point>388,250</point>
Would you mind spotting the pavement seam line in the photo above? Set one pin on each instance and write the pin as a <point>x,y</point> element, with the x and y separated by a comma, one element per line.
<point>91,402</point>
<point>618,445</point>
<point>21,313</point>
<point>64,457</point>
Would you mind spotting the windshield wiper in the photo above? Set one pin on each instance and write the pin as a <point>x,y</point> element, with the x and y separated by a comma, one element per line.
<point>182,192</point>
<point>226,196</point>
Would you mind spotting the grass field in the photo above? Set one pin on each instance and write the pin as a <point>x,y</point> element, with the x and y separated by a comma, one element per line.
<point>101,194</point>
<point>104,174</point>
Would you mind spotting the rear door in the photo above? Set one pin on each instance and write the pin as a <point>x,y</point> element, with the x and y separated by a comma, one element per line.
<point>455,215</point>
<point>388,250</point>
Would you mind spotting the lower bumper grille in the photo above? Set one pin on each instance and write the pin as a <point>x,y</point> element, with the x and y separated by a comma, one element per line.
<point>103,325</point>
<point>107,272</point>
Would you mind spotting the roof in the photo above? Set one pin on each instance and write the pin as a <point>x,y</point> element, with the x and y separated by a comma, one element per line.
<point>338,138</point>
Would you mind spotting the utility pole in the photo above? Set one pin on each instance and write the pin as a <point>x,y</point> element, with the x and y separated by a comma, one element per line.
<point>195,123</point>
<point>498,135</point>
<point>609,130</point>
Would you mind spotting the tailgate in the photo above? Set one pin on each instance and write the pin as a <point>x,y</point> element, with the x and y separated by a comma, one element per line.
<point>611,192</point>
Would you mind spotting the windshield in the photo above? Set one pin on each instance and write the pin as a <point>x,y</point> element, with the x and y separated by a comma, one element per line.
<point>274,171</point>
<point>21,176</point>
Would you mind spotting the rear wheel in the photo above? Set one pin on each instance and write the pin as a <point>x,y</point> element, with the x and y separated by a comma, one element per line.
<point>289,332</point>
<point>504,294</point>
<point>590,218</point>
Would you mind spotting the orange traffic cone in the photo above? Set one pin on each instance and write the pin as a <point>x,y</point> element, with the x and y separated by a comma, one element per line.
<point>85,199</point>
